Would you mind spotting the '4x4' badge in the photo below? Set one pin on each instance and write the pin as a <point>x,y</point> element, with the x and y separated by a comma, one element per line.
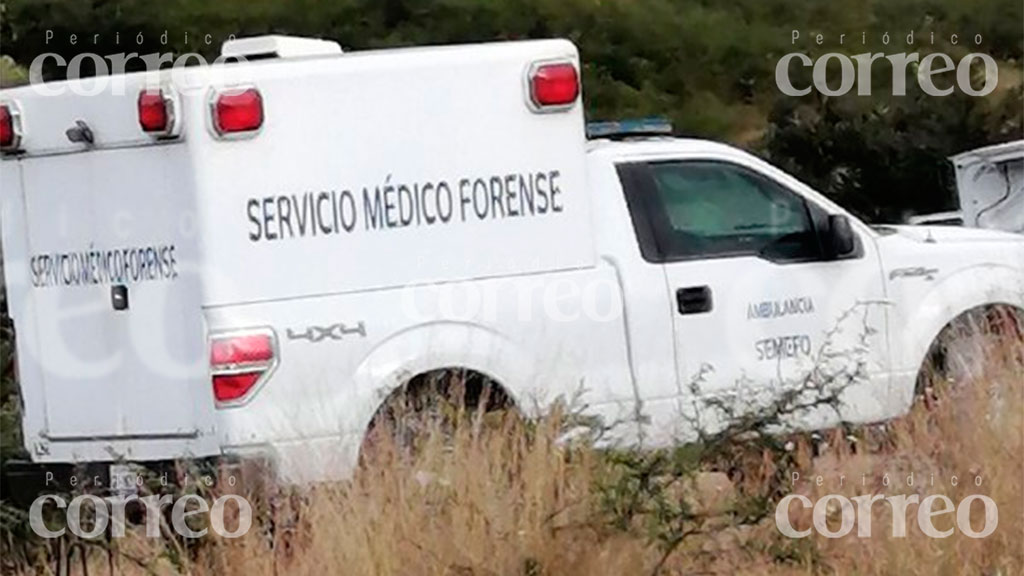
<point>319,333</point>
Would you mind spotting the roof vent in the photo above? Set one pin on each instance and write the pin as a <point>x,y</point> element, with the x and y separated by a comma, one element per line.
<point>263,47</point>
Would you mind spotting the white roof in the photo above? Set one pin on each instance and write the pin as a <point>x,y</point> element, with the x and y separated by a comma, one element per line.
<point>280,47</point>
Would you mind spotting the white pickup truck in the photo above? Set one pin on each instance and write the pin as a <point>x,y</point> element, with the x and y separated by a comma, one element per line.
<point>250,258</point>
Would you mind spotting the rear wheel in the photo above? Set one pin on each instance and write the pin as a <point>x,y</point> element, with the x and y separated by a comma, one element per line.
<point>431,410</point>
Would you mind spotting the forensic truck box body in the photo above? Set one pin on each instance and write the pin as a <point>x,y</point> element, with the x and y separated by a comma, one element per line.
<point>250,258</point>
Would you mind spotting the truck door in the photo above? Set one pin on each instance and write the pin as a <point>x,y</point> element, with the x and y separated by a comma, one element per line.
<point>110,319</point>
<point>756,304</point>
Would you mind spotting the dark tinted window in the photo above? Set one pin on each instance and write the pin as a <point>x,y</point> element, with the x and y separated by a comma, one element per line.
<point>708,209</point>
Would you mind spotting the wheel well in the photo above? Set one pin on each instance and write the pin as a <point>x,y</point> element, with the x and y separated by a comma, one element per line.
<point>472,388</point>
<point>1002,320</point>
<point>464,387</point>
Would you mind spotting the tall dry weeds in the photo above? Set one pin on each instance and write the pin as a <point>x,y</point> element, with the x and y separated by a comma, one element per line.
<point>511,498</point>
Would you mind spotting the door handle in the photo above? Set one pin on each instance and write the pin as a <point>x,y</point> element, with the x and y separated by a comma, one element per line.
<point>694,300</point>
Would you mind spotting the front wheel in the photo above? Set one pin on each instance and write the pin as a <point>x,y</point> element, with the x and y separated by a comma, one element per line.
<point>982,346</point>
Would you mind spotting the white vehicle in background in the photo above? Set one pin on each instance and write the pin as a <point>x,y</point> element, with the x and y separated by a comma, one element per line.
<point>990,189</point>
<point>948,218</point>
<point>252,259</point>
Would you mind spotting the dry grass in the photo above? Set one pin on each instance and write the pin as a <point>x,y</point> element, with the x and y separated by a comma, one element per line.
<point>515,501</point>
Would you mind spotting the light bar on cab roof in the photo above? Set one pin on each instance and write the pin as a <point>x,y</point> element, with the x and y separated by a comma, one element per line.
<point>626,128</point>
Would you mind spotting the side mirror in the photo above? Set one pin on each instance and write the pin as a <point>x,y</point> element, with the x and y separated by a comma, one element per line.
<point>840,239</point>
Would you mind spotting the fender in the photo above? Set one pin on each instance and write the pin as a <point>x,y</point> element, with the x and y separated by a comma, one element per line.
<point>962,291</point>
<point>433,346</point>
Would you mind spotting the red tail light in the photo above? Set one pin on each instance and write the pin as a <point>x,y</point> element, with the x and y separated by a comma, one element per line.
<point>154,116</point>
<point>237,111</point>
<point>10,129</point>
<point>240,362</point>
<point>231,387</point>
<point>554,86</point>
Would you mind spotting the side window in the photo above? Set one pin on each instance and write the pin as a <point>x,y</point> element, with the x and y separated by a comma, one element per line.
<point>708,209</point>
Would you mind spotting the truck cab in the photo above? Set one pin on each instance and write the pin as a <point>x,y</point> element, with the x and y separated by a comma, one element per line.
<point>767,282</point>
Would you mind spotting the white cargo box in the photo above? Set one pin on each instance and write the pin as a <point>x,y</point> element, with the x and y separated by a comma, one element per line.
<point>368,171</point>
<point>990,186</point>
